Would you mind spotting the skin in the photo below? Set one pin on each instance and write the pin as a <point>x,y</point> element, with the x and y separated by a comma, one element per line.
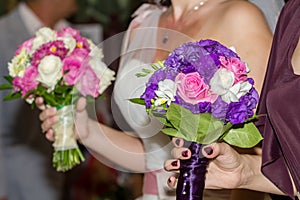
<point>228,169</point>
<point>55,8</point>
<point>215,20</point>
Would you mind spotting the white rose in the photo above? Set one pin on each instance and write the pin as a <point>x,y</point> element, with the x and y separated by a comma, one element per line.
<point>19,64</point>
<point>69,42</point>
<point>50,70</point>
<point>222,83</point>
<point>43,36</point>
<point>95,51</point>
<point>166,92</point>
<point>105,74</point>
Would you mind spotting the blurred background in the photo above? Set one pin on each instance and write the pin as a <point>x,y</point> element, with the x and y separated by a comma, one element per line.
<point>92,180</point>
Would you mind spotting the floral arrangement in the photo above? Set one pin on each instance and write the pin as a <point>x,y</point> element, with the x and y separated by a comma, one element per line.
<point>202,93</point>
<point>59,66</point>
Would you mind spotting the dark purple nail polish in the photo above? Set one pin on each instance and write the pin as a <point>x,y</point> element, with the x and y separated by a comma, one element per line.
<point>185,153</point>
<point>174,163</point>
<point>177,142</point>
<point>169,180</point>
<point>208,150</point>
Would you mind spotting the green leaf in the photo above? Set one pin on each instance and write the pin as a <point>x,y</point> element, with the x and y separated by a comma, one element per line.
<point>172,132</point>
<point>244,136</point>
<point>210,129</point>
<point>12,96</point>
<point>138,101</point>
<point>8,79</point>
<point>6,87</point>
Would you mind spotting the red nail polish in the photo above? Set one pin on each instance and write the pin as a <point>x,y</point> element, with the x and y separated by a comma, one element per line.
<point>208,150</point>
<point>174,163</point>
<point>185,153</point>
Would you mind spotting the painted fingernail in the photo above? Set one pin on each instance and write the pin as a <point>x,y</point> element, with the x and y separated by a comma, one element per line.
<point>177,142</point>
<point>208,150</point>
<point>174,163</point>
<point>184,153</point>
<point>169,180</point>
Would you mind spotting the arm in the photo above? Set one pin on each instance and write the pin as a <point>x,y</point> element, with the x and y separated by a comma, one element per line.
<point>116,146</point>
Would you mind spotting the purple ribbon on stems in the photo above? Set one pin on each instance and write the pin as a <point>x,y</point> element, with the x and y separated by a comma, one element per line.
<point>191,180</point>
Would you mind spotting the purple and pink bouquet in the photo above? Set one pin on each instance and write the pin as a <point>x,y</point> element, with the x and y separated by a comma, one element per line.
<point>202,93</point>
<point>59,66</point>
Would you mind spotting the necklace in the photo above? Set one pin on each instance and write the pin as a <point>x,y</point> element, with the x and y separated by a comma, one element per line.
<point>198,5</point>
<point>201,3</point>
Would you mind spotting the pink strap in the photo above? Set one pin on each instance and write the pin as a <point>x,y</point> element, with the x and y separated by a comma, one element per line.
<point>150,183</point>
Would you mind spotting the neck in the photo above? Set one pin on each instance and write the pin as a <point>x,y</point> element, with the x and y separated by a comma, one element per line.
<point>181,7</point>
<point>44,12</point>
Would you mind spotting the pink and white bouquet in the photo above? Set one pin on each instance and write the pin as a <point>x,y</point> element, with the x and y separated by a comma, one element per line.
<point>202,93</point>
<point>59,66</point>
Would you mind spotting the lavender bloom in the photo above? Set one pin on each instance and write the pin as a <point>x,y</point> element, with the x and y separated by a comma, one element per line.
<point>214,47</point>
<point>237,113</point>
<point>202,107</point>
<point>219,109</point>
<point>149,94</point>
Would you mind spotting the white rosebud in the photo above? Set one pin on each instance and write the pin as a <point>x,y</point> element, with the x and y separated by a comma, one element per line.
<point>43,36</point>
<point>50,71</point>
<point>166,92</point>
<point>222,83</point>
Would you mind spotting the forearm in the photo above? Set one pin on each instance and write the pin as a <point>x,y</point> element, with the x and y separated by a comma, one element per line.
<point>116,146</point>
<point>252,177</point>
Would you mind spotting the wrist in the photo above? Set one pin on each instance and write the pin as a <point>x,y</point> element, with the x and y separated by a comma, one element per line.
<point>250,171</point>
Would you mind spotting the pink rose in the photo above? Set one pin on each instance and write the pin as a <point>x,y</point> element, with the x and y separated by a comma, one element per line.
<point>26,45</point>
<point>71,68</point>
<point>68,32</point>
<point>192,88</point>
<point>29,79</point>
<point>88,84</point>
<point>28,82</point>
<point>236,66</point>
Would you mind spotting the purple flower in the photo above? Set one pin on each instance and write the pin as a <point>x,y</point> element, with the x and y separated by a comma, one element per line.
<point>219,109</point>
<point>237,113</point>
<point>149,94</point>
<point>202,107</point>
<point>214,47</point>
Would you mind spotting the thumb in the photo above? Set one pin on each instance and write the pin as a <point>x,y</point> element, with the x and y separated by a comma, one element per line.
<point>216,149</point>
<point>81,104</point>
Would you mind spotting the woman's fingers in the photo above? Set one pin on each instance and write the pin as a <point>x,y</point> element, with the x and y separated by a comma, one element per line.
<point>39,102</point>
<point>81,104</point>
<point>50,135</point>
<point>172,182</point>
<point>181,153</point>
<point>178,142</point>
<point>172,164</point>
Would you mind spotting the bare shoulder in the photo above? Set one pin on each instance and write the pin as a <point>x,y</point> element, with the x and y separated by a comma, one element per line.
<point>241,12</point>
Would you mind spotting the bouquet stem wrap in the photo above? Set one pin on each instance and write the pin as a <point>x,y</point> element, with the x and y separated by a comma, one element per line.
<point>191,179</point>
<point>66,151</point>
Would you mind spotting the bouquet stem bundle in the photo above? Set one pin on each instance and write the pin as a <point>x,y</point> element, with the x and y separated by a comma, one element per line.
<point>66,151</point>
<point>191,180</point>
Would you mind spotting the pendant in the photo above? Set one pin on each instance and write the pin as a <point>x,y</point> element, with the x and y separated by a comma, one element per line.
<point>165,39</point>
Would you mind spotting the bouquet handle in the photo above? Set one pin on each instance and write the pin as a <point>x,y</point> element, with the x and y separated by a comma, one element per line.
<point>191,180</point>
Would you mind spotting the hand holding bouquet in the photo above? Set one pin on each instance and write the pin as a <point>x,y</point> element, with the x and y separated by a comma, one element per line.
<point>60,67</point>
<point>202,93</point>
